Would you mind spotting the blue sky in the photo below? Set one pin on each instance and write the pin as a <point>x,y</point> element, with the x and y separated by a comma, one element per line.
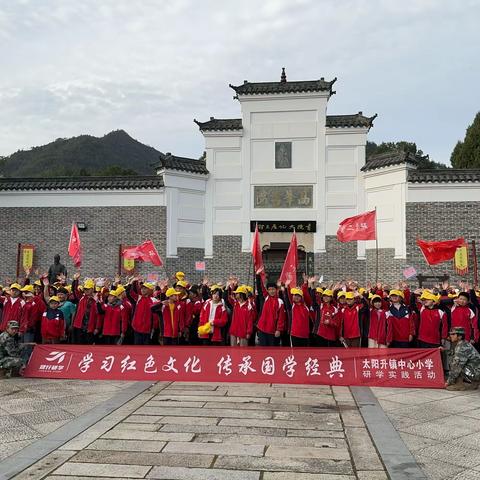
<point>149,67</point>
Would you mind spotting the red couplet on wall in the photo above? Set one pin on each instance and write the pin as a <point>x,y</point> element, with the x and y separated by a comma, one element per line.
<point>333,366</point>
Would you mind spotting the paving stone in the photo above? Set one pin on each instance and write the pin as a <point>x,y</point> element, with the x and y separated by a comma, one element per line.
<point>457,455</point>
<point>10,448</point>
<point>195,393</point>
<point>189,420</point>
<point>204,412</point>
<point>104,470</point>
<point>307,452</point>
<point>436,469</point>
<point>281,432</point>
<point>472,413</point>
<point>143,419</point>
<point>144,458</point>
<point>145,427</point>
<point>315,433</point>
<point>175,436</point>
<point>307,465</point>
<point>352,418</point>
<point>421,413</point>
<point>446,430</point>
<point>46,428</point>
<point>174,403</point>
<point>210,398</point>
<point>181,473</point>
<point>307,417</point>
<point>214,449</point>
<point>305,476</point>
<point>468,475</point>
<point>363,452</point>
<point>372,475</point>
<point>278,407</point>
<point>15,434</point>
<point>414,442</point>
<point>270,440</point>
<point>193,386</point>
<point>247,422</point>
<point>45,465</point>
<point>127,445</point>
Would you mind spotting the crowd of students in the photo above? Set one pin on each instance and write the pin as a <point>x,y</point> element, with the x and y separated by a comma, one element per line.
<point>177,312</point>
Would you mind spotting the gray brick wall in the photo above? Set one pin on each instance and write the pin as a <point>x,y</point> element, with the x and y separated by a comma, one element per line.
<point>107,227</point>
<point>441,221</point>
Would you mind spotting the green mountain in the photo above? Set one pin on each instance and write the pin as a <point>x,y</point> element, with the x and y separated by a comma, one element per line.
<point>116,153</point>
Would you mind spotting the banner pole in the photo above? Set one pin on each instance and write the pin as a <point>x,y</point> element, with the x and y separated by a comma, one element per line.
<point>475,265</point>
<point>376,247</point>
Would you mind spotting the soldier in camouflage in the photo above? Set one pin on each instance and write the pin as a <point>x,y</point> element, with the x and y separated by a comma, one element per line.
<point>11,352</point>
<point>464,362</point>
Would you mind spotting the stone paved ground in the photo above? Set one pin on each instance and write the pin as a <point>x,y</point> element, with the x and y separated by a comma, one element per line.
<point>32,408</point>
<point>209,431</point>
<point>440,428</point>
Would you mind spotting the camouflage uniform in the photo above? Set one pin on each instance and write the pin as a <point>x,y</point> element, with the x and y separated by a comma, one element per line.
<point>10,352</point>
<point>464,362</point>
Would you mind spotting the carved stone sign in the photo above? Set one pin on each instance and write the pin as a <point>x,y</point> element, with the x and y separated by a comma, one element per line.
<point>275,196</point>
<point>280,227</point>
<point>283,154</point>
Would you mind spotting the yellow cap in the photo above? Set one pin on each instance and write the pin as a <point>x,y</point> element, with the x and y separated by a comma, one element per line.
<point>296,291</point>
<point>319,290</point>
<point>170,292</point>
<point>427,295</point>
<point>361,290</point>
<point>397,292</point>
<point>341,293</point>
<point>54,299</point>
<point>150,286</point>
<point>88,284</point>
<point>328,293</point>
<point>16,285</point>
<point>241,289</point>
<point>180,275</point>
<point>215,287</point>
<point>249,288</point>
<point>349,295</point>
<point>374,297</point>
<point>114,293</point>
<point>68,288</point>
<point>98,289</point>
<point>182,283</point>
<point>120,289</point>
<point>27,288</point>
<point>452,295</point>
<point>204,329</point>
<point>38,283</point>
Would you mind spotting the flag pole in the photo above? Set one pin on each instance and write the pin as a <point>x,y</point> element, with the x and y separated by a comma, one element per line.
<point>475,265</point>
<point>376,247</point>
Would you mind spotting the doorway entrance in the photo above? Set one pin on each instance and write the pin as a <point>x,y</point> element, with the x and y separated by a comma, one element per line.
<point>274,258</point>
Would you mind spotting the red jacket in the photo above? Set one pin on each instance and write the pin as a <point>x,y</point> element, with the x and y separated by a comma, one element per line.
<point>466,318</point>
<point>81,312</point>
<point>400,327</point>
<point>242,319</point>
<point>351,321</point>
<point>32,316</point>
<point>433,325</point>
<point>12,310</point>
<point>219,320</point>
<point>128,309</point>
<point>173,327</point>
<point>300,321</point>
<point>378,326</point>
<point>53,324</point>
<point>328,313</point>
<point>114,321</point>
<point>143,319</point>
<point>273,315</point>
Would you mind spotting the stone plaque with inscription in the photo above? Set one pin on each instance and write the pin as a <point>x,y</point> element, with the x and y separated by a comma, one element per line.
<point>283,154</point>
<point>276,196</point>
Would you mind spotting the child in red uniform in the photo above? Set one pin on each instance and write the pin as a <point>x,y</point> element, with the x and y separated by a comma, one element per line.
<point>433,327</point>
<point>327,320</point>
<point>271,322</point>
<point>300,315</point>
<point>463,316</point>
<point>351,331</point>
<point>242,319</point>
<point>143,322</point>
<point>174,315</point>
<point>377,333</point>
<point>214,312</point>
<point>53,323</point>
<point>113,321</point>
<point>400,326</point>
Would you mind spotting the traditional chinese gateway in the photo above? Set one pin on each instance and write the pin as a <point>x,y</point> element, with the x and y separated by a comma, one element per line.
<point>284,163</point>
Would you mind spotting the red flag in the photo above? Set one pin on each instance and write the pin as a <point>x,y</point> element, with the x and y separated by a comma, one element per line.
<point>360,227</point>
<point>75,247</point>
<point>438,252</point>
<point>289,270</point>
<point>146,252</point>
<point>257,255</point>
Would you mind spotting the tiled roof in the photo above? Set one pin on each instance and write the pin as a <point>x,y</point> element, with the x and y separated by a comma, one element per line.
<point>220,124</point>
<point>262,88</point>
<point>82,183</point>
<point>387,159</point>
<point>447,175</point>
<point>355,120</point>
<point>172,162</point>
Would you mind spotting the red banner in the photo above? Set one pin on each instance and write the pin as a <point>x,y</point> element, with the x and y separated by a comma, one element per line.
<point>438,252</point>
<point>257,255</point>
<point>288,276</point>
<point>146,252</point>
<point>388,367</point>
<point>360,227</point>
<point>75,246</point>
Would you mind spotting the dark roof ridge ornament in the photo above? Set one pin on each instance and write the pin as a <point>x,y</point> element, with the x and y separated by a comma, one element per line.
<point>283,78</point>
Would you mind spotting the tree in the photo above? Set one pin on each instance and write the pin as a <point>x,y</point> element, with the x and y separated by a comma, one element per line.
<point>466,154</point>
<point>424,162</point>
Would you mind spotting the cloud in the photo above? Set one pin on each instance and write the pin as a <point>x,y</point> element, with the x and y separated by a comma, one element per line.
<point>151,67</point>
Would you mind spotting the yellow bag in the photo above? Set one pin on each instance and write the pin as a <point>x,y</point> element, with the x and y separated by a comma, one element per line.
<point>205,329</point>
